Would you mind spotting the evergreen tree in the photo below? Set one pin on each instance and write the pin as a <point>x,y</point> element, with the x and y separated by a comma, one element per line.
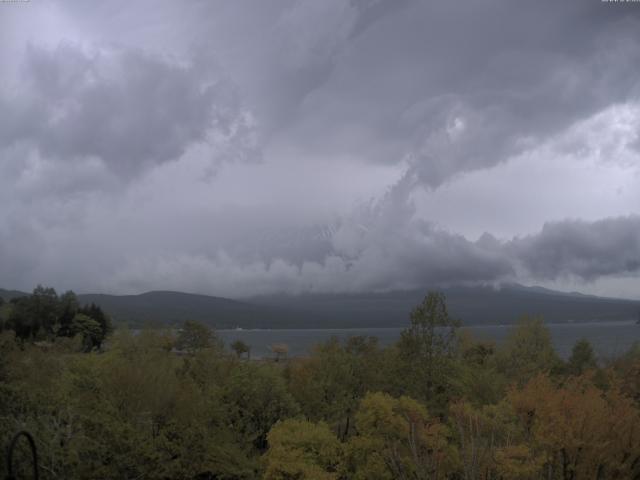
<point>68,308</point>
<point>426,350</point>
<point>582,358</point>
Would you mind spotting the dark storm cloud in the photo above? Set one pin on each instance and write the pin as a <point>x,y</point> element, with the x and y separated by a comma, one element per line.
<point>386,247</point>
<point>458,86</point>
<point>127,108</point>
<point>297,51</point>
<point>121,124</point>
<point>379,246</point>
<point>382,246</point>
<point>587,250</point>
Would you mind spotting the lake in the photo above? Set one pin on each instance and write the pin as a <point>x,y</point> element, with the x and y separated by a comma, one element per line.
<point>608,338</point>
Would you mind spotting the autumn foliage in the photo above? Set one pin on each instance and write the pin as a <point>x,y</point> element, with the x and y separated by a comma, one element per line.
<point>437,405</point>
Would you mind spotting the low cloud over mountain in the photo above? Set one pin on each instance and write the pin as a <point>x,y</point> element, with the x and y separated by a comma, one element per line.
<point>235,148</point>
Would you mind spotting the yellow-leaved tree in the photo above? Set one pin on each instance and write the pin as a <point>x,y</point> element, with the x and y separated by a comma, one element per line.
<point>398,440</point>
<point>302,450</point>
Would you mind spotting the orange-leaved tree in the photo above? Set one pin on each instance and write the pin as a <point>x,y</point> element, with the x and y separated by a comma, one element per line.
<point>581,430</point>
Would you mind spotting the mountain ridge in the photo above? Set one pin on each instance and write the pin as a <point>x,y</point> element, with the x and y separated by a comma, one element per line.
<point>479,305</point>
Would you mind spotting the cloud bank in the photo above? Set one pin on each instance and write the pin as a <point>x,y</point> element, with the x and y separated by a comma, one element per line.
<point>339,146</point>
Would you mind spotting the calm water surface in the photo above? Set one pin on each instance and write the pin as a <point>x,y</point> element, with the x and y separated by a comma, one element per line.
<point>608,338</point>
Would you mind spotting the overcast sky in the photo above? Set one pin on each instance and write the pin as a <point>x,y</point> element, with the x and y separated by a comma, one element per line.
<point>244,147</point>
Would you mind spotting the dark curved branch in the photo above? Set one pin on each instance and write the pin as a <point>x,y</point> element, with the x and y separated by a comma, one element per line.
<point>34,454</point>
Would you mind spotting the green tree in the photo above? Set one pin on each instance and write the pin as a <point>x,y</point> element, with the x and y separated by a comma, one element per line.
<point>44,306</point>
<point>34,316</point>
<point>331,381</point>
<point>426,350</point>
<point>527,351</point>
<point>44,315</point>
<point>88,328</point>
<point>302,450</point>
<point>67,309</point>
<point>142,418</point>
<point>22,320</point>
<point>195,336</point>
<point>582,358</point>
<point>240,348</point>
<point>475,372</point>
<point>95,312</point>
<point>255,397</point>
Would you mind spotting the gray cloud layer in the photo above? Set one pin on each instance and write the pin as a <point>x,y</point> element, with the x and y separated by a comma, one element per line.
<point>463,86</point>
<point>235,148</point>
<point>585,249</point>
<point>125,108</point>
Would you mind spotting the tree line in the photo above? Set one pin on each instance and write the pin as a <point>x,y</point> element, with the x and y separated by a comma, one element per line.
<point>44,316</point>
<point>438,404</point>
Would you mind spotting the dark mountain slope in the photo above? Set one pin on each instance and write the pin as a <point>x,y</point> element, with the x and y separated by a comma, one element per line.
<point>472,305</point>
<point>172,308</point>
<point>9,294</point>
